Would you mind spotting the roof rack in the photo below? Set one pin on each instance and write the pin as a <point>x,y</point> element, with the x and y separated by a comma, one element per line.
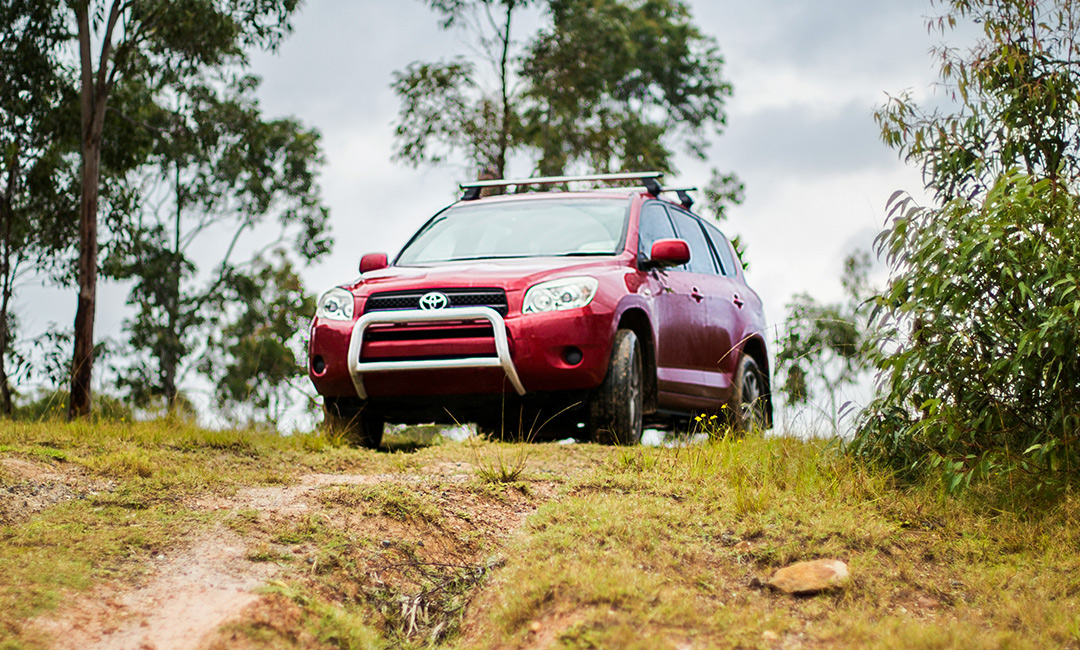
<point>649,179</point>
<point>683,193</point>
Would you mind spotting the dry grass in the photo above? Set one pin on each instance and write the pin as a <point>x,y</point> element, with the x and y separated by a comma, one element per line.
<point>668,548</point>
<point>589,547</point>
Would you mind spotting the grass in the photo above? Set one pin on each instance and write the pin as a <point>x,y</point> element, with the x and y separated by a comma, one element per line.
<point>667,548</point>
<point>584,547</point>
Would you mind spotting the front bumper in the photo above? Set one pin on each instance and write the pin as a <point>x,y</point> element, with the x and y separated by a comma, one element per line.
<point>460,351</point>
<point>358,367</point>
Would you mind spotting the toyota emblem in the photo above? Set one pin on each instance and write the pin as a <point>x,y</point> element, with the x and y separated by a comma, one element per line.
<point>434,300</point>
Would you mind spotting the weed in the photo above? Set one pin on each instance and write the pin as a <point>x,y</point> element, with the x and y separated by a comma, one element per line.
<point>387,499</point>
<point>506,463</point>
<point>264,552</point>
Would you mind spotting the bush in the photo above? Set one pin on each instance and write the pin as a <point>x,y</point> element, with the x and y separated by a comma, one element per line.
<point>980,328</point>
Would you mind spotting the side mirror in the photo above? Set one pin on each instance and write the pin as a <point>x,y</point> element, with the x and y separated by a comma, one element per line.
<point>669,252</point>
<point>373,262</point>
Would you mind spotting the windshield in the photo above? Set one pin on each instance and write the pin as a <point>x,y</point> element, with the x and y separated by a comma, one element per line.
<point>532,228</point>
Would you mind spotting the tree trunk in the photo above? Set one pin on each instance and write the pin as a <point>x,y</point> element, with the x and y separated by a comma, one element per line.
<point>95,93</point>
<point>504,85</point>
<point>7,279</point>
<point>170,353</point>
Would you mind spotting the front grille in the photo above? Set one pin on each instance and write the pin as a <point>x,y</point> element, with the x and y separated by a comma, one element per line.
<point>494,298</point>
<point>428,333</point>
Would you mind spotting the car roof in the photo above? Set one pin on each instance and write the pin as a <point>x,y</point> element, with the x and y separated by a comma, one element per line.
<point>494,190</point>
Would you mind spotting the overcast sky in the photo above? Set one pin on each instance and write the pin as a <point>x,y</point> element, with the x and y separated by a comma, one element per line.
<point>800,132</point>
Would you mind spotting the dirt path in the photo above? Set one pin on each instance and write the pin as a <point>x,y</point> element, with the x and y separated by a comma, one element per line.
<point>191,593</point>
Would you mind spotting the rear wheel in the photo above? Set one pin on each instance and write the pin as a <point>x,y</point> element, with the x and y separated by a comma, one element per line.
<point>749,397</point>
<point>615,410</point>
<point>359,425</point>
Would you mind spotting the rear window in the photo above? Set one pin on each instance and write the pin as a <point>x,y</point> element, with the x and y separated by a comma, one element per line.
<point>532,228</point>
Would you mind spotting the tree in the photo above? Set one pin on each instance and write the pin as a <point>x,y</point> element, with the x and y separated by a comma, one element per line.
<point>823,345</point>
<point>258,348</point>
<point>221,170</point>
<point>979,324</point>
<point>156,42</point>
<point>35,171</point>
<point>655,77</point>
<point>445,107</point>
<point>655,81</point>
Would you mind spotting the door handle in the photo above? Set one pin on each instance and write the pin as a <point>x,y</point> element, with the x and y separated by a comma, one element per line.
<point>738,303</point>
<point>695,295</point>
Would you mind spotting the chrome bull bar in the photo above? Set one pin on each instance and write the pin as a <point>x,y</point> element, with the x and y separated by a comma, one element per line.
<point>357,367</point>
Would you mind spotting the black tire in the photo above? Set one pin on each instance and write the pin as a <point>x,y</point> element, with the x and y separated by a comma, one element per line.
<point>748,406</point>
<point>357,424</point>
<point>615,409</point>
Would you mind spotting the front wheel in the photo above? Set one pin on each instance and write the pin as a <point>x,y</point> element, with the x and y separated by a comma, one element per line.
<point>615,410</point>
<point>749,399</point>
<point>357,424</point>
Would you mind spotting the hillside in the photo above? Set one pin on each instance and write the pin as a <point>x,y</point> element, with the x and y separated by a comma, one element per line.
<point>166,536</point>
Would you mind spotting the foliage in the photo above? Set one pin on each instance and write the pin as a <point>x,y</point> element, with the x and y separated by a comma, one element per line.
<point>980,323</point>
<point>155,46</point>
<point>257,357</point>
<point>446,107</point>
<point>219,169</point>
<point>979,329</point>
<point>823,345</point>
<point>1018,98</point>
<point>660,79</point>
<point>35,174</point>
<point>660,84</point>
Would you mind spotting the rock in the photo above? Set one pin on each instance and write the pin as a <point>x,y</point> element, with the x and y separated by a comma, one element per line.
<point>809,577</point>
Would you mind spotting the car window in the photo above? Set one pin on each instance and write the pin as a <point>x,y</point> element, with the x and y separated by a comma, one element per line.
<point>529,228</point>
<point>688,228</point>
<point>653,225</point>
<point>723,249</point>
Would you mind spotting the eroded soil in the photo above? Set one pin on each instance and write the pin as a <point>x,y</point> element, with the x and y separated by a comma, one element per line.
<point>199,593</point>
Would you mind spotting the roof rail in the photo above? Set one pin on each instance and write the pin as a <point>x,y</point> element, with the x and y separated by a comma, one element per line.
<point>650,179</point>
<point>683,193</point>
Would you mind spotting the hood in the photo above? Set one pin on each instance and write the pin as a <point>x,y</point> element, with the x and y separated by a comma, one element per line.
<point>515,274</point>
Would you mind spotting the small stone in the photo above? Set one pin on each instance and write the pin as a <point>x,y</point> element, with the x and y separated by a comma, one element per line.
<point>809,577</point>
<point>743,546</point>
<point>769,635</point>
<point>534,626</point>
<point>929,603</point>
<point>161,556</point>
<point>387,543</point>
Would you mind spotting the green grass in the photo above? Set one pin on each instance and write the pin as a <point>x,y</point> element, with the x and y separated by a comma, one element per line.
<point>624,547</point>
<point>660,548</point>
<point>138,486</point>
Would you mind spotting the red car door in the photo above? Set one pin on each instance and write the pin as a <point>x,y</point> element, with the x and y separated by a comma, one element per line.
<point>731,298</point>
<point>714,342</point>
<point>680,315</point>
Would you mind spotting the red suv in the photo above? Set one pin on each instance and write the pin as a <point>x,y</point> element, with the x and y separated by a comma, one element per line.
<point>590,313</point>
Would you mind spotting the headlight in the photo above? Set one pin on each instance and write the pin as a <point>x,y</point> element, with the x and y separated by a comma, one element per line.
<point>335,304</point>
<point>556,295</point>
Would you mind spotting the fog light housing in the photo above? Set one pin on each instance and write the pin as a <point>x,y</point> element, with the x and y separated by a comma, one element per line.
<point>572,355</point>
<point>318,365</point>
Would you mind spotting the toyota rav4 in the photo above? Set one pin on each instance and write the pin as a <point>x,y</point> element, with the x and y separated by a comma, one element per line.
<point>589,312</point>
